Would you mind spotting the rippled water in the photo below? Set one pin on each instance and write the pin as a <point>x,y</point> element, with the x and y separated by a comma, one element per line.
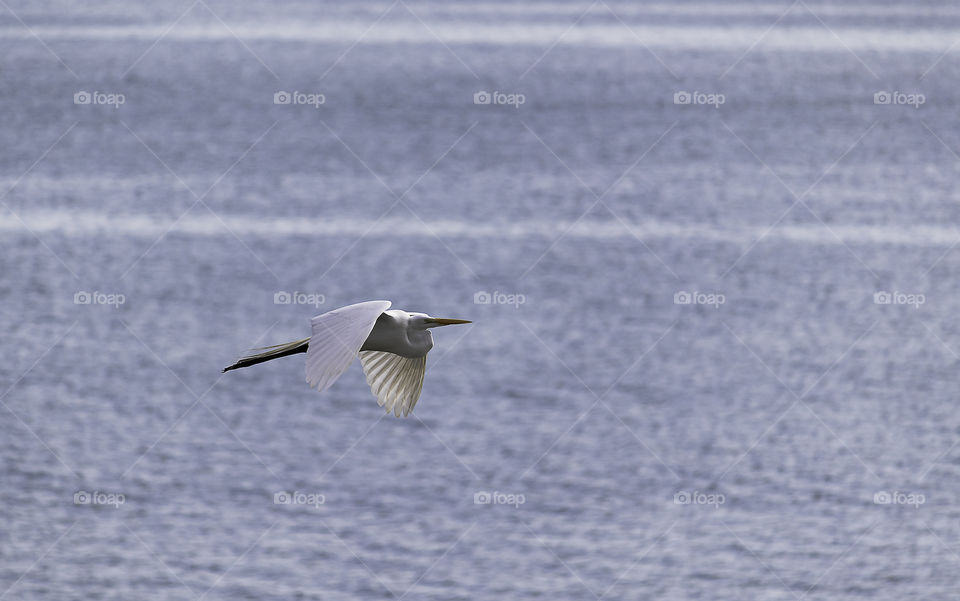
<point>718,359</point>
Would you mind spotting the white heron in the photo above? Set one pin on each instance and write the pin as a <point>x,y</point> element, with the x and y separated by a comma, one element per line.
<point>392,346</point>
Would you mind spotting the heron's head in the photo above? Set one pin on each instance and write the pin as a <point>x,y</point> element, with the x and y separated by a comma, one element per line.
<point>423,321</point>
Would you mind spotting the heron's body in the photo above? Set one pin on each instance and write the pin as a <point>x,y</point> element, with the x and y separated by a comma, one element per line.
<point>392,346</point>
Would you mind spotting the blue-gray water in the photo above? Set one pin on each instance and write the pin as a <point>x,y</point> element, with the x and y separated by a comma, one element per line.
<point>794,441</point>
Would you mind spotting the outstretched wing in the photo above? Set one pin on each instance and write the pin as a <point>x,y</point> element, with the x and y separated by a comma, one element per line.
<point>337,338</point>
<point>396,381</point>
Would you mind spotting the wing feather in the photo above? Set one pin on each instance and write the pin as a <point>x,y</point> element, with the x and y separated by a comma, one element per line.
<point>336,340</point>
<point>396,381</point>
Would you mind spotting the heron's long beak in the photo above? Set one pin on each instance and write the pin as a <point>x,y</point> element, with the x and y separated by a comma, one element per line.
<point>440,321</point>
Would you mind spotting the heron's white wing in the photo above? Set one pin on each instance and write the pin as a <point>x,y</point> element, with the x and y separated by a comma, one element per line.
<point>337,337</point>
<point>396,381</point>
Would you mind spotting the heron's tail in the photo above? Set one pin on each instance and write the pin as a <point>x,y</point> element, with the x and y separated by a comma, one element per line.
<point>271,352</point>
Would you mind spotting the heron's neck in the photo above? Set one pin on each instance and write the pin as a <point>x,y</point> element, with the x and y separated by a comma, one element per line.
<point>421,341</point>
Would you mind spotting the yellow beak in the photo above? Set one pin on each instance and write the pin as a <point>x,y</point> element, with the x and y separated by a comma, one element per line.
<point>440,321</point>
